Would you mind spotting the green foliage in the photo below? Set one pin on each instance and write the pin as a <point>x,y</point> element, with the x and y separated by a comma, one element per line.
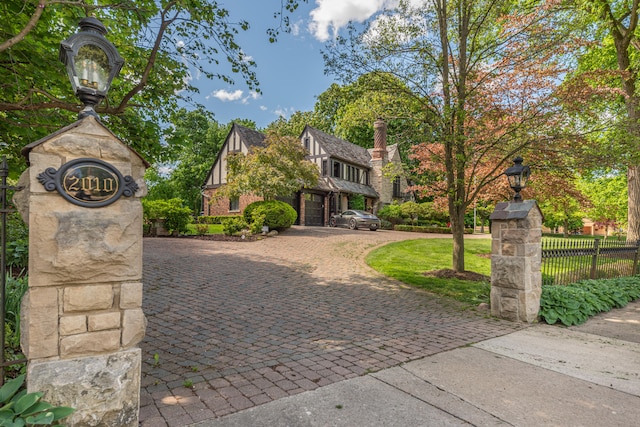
<point>573,304</point>
<point>234,225</point>
<point>15,288</point>
<point>356,201</point>
<point>274,214</point>
<point>193,142</point>
<point>428,229</point>
<point>21,408</point>
<point>392,213</point>
<point>154,80</point>
<point>608,198</point>
<point>175,215</point>
<point>280,168</point>
<point>202,229</point>
<point>17,242</point>
<point>213,219</point>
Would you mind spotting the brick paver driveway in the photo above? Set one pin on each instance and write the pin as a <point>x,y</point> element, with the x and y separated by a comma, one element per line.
<point>233,325</point>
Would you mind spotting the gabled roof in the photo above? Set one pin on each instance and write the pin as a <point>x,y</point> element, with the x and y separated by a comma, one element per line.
<point>339,148</point>
<point>250,137</point>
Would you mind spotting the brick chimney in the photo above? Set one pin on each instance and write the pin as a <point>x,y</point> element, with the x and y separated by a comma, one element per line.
<point>380,140</point>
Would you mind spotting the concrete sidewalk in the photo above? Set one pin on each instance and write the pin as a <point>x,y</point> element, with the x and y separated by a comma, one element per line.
<point>543,375</point>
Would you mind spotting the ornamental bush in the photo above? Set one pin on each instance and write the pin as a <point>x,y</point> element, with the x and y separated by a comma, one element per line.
<point>274,214</point>
<point>175,215</point>
<point>573,304</point>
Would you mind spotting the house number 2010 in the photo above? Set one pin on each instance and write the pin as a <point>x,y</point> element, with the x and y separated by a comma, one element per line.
<point>88,182</point>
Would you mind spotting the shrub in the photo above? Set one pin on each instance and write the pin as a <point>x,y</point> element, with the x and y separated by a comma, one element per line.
<point>356,201</point>
<point>202,229</point>
<point>391,213</point>
<point>176,216</point>
<point>233,225</point>
<point>573,304</point>
<point>277,215</point>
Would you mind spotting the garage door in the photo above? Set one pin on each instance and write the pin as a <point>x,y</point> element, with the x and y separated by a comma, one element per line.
<point>314,209</point>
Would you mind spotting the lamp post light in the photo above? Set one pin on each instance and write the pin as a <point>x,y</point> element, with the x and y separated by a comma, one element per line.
<point>92,63</point>
<point>518,176</point>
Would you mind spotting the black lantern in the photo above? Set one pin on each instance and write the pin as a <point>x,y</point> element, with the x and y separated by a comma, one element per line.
<point>518,176</point>
<point>92,63</point>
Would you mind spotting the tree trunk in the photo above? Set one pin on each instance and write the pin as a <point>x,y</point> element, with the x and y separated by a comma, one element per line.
<point>633,213</point>
<point>622,38</point>
<point>457,229</point>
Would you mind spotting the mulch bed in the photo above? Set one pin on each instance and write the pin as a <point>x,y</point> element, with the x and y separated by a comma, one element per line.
<point>463,275</point>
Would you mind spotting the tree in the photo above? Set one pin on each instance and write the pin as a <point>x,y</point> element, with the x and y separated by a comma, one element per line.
<point>162,43</point>
<point>614,60</point>
<point>481,78</point>
<point>280,168</point>
<point>295,124</point>
<point>607,195</point>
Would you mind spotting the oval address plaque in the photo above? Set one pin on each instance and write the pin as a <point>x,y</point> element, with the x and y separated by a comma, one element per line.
<point>90,183</point>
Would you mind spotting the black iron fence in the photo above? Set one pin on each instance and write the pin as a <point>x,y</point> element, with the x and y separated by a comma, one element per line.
<point>567,261</point>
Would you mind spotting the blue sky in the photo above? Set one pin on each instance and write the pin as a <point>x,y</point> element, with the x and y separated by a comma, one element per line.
<point>291,71</point>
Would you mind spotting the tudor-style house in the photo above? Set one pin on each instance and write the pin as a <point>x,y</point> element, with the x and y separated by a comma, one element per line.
<point>346,170</point>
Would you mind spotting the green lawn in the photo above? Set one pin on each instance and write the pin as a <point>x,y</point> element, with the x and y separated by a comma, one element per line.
<point>213,229</point>
<point>408,260</point>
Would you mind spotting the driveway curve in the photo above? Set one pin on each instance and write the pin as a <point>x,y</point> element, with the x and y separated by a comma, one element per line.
<point>233,325</point>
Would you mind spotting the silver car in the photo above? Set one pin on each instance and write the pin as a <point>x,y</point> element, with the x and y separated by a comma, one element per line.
<point>355,219</point>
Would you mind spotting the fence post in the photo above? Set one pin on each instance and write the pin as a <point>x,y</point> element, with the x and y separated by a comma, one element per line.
<point>594,259</point>
<point>516,280</point>
<point>81,318</point>
<point>635,259</point>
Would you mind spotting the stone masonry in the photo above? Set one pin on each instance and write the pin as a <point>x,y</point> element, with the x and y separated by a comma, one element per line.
<point>82,315</point>
<point>516,257</point>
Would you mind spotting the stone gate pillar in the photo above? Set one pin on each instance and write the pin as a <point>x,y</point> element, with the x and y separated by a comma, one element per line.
<point>516,256</point>
<point>82,316</point>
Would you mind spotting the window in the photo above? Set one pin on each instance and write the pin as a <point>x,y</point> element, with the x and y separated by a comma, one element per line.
<point>337,168</point>
<point>396,187</point>
<point>307,143</point>
<point>324,168</point>
<point>234,204</point>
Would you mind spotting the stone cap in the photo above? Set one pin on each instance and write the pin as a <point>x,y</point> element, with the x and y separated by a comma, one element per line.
<point>27,148</point>
<point>514,210</point>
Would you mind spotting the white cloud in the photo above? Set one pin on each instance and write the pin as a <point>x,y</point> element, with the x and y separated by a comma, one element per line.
<point>283,112</point>
<point>236,95</point>
<point>227,96</point>
<point>331,15</point>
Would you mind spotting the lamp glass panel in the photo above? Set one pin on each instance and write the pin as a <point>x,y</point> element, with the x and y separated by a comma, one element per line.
<point>92,67</point>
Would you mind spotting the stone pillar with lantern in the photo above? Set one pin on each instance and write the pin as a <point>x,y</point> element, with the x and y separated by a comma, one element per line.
<point>82,316</point>
<point>516,253</point>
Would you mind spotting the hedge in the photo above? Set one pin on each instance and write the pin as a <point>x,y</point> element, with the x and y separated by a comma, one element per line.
<point>425,229</point>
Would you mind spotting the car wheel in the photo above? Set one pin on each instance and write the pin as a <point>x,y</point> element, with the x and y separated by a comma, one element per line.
<point>373,228</point>
<point>353,224</point>
<point>332,222</point>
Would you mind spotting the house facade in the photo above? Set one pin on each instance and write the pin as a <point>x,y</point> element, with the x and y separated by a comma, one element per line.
<point>346,171</point>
